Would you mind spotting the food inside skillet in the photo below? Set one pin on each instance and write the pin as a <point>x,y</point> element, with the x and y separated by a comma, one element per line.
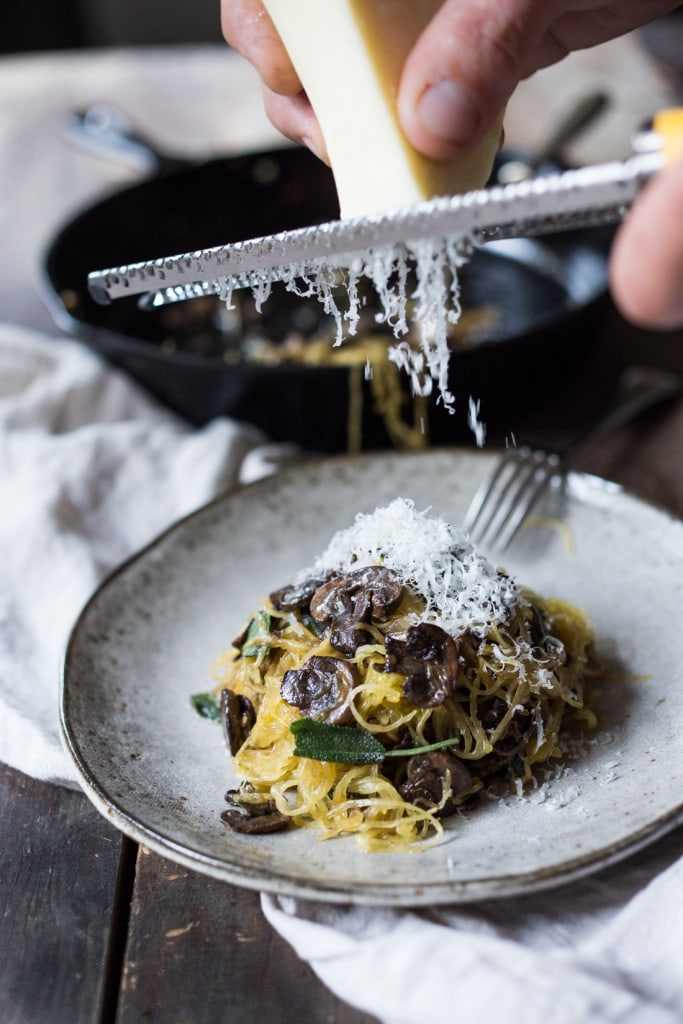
<point>395,683</point>
<point>294,331</point>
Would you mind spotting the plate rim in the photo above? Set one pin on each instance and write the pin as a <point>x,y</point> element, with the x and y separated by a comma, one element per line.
<point>283,883</point>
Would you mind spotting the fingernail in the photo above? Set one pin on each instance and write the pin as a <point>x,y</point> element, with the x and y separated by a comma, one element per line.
<point>315,149</point>
<point>448,111</point>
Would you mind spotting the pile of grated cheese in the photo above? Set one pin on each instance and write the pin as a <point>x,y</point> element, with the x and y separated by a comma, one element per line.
<point>462,589</point>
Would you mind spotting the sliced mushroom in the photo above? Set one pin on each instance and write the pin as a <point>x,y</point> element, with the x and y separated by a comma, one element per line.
<point>538,628</point>
<point>240,639</point>
<point>428,657</point>
<point>322,689</point>
<point>547,649</point>
<point>516,735</point>
<point>492,712</point>
<point>347,635</point>
<point>252,818</point>
<point>297,595</point>
<point>369,594</point>
<point>238,717</point>
<point>517,730</point>
<point>433,777</point>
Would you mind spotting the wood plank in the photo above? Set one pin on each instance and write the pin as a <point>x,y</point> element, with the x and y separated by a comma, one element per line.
<point>58,872</point>
<point>200,950</point>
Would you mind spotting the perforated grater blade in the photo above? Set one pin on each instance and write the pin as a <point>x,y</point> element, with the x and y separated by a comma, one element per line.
<point>583,197</point>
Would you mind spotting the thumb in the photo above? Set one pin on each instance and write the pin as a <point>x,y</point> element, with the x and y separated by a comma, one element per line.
<point>463,69</point>
<point>646,264</point>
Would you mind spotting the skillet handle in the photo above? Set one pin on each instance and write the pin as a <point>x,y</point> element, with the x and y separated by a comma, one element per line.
<point>106,130</point>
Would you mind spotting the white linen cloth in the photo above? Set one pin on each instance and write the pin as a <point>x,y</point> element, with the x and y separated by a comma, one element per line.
<point>606,950</point>
<point>91,469</point>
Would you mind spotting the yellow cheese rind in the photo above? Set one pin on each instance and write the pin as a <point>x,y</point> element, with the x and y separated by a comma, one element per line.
<point>349,55</point>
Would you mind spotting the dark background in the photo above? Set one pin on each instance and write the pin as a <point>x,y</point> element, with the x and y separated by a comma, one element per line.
<point>31,25</point>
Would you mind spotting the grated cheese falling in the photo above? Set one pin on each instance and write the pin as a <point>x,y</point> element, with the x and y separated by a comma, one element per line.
<point>432,306</point>
<point>462,590</point>
<point>474,422</point>
<point>353,87</point>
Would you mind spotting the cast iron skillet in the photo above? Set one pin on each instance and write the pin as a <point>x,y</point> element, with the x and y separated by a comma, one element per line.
<point>548,295</point>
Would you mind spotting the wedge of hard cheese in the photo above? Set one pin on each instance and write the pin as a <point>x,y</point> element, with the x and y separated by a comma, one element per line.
<point>349,55</point>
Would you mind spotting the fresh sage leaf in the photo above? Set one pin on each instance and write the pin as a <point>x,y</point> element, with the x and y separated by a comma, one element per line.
<point>345,744</point>
<point>206,705</point>
<point>517,766</point>
<point>259,627</point>
<point>319,628</point>
<point>339,743</point>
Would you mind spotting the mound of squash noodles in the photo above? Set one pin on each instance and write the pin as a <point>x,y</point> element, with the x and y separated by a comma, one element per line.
<point>394,681</point>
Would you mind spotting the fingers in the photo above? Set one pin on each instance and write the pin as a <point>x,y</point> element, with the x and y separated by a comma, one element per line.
<point>248,28</point>
<point>294,117</point>
<point>587,23</point>
<point>646,266</point>
<point>469,59</point>
<point>464,68</point>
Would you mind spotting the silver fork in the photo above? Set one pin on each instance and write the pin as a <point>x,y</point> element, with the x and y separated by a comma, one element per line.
<point>522,475</point>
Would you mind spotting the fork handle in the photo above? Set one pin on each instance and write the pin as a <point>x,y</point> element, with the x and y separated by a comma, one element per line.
<point>640,388</point>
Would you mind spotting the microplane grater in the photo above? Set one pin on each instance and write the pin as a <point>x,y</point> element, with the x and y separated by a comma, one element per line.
<point>576,198</point>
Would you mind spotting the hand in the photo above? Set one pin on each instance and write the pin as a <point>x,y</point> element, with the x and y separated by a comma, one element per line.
<point>248,28</point>
<point>460,73</point>
<point>462,70</point>
<point>449,95</point>
<point>646,265</point>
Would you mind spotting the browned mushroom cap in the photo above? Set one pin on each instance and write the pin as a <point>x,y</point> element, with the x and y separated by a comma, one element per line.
<point>434,776</point>
<point>347,635</point>
<point>322,688</point>
<point>251,818</point>
<point>238,717</point>
<point>428,657</point>
<point>297,595</point>
<point>369,594</point>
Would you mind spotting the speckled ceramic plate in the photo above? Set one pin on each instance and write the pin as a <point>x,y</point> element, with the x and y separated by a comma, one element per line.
<point>146,640</point>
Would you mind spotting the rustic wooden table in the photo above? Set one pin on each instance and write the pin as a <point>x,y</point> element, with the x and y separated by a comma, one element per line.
<point>92,927</point>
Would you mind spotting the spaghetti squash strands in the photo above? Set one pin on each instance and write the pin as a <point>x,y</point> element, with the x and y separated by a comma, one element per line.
<point>402,629</point>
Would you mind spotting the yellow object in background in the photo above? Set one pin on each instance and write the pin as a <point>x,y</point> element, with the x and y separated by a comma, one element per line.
<point>669,125</point>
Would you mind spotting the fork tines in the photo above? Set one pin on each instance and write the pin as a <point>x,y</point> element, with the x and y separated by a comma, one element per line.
<point>504,501</point>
